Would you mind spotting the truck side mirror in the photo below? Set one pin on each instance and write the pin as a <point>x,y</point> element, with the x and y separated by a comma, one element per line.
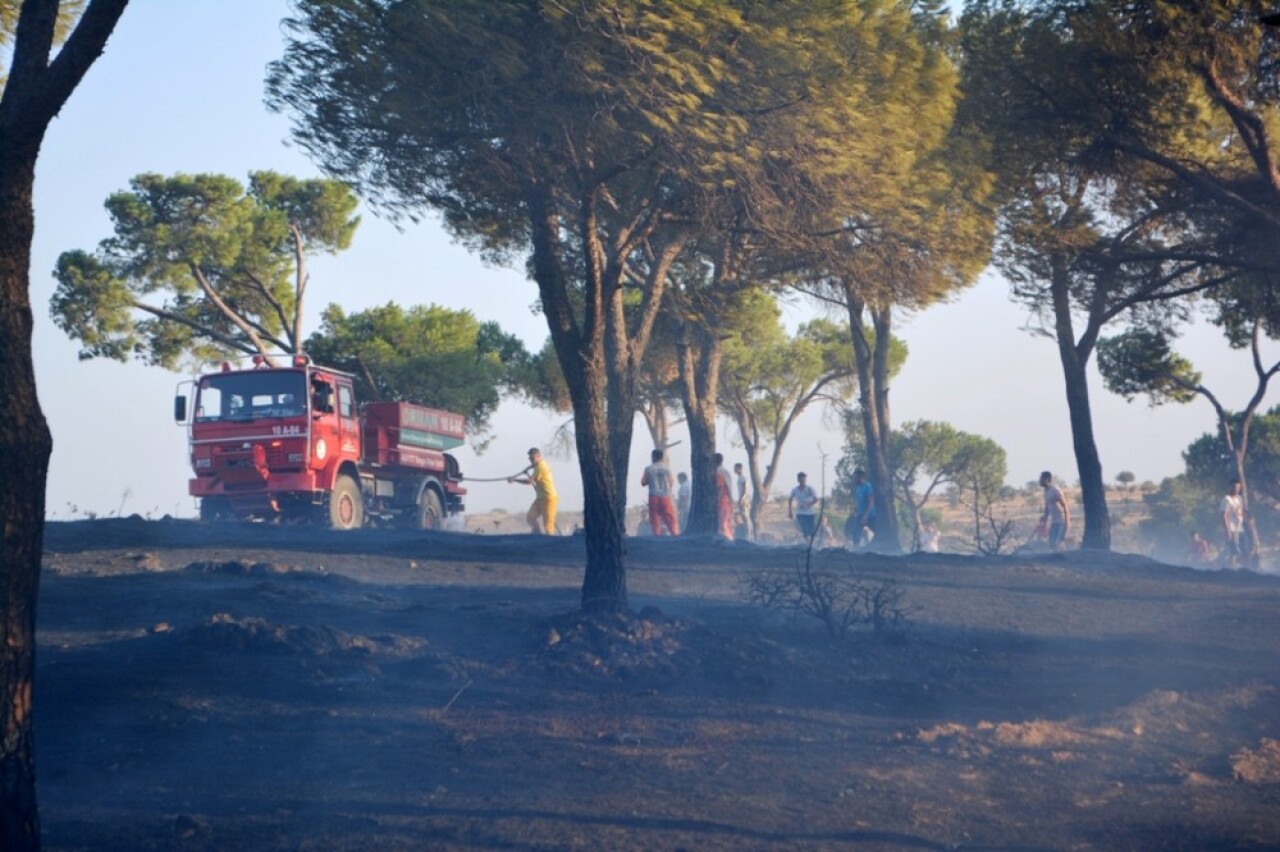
<point>180,408</point>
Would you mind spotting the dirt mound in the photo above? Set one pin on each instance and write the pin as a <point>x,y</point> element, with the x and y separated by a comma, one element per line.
<point>223,631</point>
<point>651,649</point>
<point>614,645</point>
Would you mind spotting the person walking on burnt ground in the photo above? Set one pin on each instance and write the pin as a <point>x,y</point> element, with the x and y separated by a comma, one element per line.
<point>542,513</point>
<point>662,508</point>
<point>724,497</point>
<point>741,515</point>
<point>860,528</point>
<point>803,507</point>
<point>1231,508</point>
<point>930,538</point>
<point>684,497</point>
<point>1057,515</point>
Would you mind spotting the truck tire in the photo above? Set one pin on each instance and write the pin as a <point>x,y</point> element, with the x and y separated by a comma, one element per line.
<point>346,506</point>
<point>429,514</point>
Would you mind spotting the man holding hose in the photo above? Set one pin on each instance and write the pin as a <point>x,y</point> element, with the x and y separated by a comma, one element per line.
<point>542,514</point>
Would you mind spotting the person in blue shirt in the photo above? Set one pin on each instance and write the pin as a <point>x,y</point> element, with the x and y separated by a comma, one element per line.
<point>861,526</point>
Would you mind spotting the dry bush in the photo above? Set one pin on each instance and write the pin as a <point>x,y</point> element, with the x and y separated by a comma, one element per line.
<point>841,602</point>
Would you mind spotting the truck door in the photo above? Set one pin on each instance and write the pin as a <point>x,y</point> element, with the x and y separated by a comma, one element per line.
<point>349,424</point>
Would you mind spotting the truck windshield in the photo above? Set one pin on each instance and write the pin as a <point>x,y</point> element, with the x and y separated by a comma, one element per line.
<point>251,394</point>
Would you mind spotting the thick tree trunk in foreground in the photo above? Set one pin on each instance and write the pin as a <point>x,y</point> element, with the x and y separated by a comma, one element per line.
<point>36,90</point>
<point>25,447</point>
<point>604,585</point>
<point>580,351</point>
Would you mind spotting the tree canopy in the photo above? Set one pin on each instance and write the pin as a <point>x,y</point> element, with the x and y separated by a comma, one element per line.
<point>1210,462</point>
<point>907,238</point>
<point>601,139</point>
<point>1142,361</point>
<point>1120,170</point>
<point>429,355</point>
<point>200,267</point>
<point>1189,502</point>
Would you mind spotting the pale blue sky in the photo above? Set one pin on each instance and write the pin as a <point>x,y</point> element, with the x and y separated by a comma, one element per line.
<point>179,89</point>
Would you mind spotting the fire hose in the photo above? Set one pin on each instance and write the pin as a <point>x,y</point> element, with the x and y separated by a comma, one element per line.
<point>497,478</point>
<point>522,472</point>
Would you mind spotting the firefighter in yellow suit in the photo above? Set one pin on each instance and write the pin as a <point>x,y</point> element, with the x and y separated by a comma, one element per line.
<point>542,514</point>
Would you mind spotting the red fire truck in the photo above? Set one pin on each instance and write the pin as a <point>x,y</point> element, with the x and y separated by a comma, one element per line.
<point>291,443</point>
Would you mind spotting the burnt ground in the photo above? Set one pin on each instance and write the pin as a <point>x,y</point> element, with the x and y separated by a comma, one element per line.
<point>254,687</point>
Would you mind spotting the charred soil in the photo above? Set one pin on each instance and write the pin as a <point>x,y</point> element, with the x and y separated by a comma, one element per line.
<point>256,687</point>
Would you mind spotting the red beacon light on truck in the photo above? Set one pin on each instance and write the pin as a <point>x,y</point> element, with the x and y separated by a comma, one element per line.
<point>301,360</point>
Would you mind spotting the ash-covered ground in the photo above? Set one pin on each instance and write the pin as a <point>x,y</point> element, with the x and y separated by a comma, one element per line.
<point>259,687</point>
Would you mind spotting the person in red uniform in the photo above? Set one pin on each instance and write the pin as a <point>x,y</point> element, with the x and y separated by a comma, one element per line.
<point>724,497</point>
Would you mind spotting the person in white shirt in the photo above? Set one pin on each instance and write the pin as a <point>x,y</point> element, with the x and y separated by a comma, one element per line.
<point>1056,514</point>
<point>662,508</point>
<point>930,538</point>
<point>741,516</point>
<point>684,496</point>
<point>803,506</point>
<point>1232,510</point>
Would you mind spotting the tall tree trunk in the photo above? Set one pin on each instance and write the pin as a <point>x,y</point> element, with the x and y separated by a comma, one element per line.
<point>581,353</point>
<point>1252,558</point>
<point>871,362</point>
<point>299,287</point>
<point>888,538</point>
<point>1097,520</point>
<point>759,484</point>
<point>25,447</point>
<point>1075,360</point>
<point>604,586</point>
<point>627,337</point>
<point>700,377</point>
<point>35,92</point>
<point>1238,443</point>
<point>620,420</point>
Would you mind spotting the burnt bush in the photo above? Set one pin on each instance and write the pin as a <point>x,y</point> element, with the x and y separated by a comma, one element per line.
<point>842,602</point>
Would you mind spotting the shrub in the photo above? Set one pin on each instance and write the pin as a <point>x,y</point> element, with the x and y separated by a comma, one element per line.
<point>842,603</point>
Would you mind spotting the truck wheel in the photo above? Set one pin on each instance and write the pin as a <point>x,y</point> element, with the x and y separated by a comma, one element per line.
<point>346,506</point>
<point>430,513</point>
